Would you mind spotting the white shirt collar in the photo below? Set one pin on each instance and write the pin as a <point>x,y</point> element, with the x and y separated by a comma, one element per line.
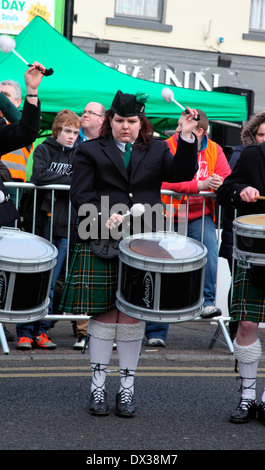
<point>121,145</point>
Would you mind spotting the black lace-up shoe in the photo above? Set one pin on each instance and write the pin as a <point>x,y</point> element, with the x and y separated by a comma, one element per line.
<point>98,403</point>
<point>245,411</point>
<point>124,404</point>
<point>261,412</point>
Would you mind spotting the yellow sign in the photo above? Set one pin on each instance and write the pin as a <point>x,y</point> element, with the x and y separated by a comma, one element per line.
<point>38,10</point>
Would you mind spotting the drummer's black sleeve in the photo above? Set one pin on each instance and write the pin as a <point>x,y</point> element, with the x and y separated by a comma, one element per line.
<point>228,194</point>
<point>23,133</point>
<point>184,164</point>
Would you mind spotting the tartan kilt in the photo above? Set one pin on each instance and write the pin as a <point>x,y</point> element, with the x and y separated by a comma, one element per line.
<point>248,299</point>
<point>91,283</point>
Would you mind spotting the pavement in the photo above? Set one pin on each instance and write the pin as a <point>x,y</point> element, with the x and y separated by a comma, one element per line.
<point>185,339</point>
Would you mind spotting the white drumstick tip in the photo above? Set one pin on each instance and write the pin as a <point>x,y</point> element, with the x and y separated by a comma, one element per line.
<point>8,44</point>
<point>136,210</point>
<point>168,96</point>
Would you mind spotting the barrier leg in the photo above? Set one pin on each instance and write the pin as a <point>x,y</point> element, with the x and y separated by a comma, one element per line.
<point>222,328</point>
<point>3,340</point>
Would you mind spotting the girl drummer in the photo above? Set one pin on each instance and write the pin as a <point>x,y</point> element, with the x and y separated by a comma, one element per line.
<point>101,174</point>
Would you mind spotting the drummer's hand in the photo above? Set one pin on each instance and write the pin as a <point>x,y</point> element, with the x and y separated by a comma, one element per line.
<point>189,123</point>
<point>249,194</point>
<point>33,78</point>
<point>114,221</point>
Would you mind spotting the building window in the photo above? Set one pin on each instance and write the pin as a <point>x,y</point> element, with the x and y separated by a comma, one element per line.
<point>145,9</point>
<point>256,21</point>
<point>140,14</point>
<point>257,16</point>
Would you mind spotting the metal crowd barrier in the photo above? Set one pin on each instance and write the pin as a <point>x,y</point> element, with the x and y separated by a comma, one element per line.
<point>221,321</point>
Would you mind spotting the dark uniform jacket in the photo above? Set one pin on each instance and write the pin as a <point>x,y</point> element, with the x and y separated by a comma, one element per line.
<point>22,133</point>
<point>248,171</point>
<point>12,137</point>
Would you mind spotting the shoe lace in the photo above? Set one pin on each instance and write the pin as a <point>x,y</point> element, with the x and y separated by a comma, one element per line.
<point>245,403</point>
<point>43,337</point>
<point>99,369</point>
<point>126,395</point>
<point>126,392</point>
<point>98,395</point>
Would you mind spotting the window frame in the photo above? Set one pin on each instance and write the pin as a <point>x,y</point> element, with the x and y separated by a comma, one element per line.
<point>255,34</point>
<point>138,22</point>
<point>159,17</point>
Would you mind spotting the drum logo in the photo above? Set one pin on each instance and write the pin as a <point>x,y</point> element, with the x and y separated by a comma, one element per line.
<point>3,286</point>
<point>148,285</point>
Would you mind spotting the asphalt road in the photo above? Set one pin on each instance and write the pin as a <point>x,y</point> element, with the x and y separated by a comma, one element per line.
<point>184,395</point>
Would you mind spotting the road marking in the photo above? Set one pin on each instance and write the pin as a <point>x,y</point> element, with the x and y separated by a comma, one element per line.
<point>142,371</point>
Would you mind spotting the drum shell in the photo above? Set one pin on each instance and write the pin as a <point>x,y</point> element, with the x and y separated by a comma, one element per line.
<point>161,289</point>
<point>249,240</point>
<point>26,267</point>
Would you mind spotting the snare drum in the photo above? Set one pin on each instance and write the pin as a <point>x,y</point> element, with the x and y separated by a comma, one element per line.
<point>161,277</point>
<point>249,240</point>
<point>26,267</point>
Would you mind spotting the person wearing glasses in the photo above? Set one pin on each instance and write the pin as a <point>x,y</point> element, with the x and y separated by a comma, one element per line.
<point>91,121</point>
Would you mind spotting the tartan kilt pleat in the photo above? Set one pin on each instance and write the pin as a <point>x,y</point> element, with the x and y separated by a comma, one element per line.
<point>248,301</point>
<point>91,283</point>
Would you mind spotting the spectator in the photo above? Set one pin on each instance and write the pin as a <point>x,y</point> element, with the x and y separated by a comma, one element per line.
<point>91,121</point>
<point>52,164</point>
<point>213,168</point>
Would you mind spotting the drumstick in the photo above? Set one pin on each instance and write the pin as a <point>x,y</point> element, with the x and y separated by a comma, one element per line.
<point>8,44</point>
<point>259,197</point>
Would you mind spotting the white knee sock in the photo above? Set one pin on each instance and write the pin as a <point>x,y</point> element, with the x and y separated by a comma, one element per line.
<point>128,352</point>
<point>248,360</point>
<point>248,373</point>
<point>100,351</point>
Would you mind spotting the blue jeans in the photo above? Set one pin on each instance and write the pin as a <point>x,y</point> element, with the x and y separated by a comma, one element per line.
<point>160,330</point>
<point>61,245</point>
<point>36,328</point>
<point>210,241</point>
<point>156,330</point>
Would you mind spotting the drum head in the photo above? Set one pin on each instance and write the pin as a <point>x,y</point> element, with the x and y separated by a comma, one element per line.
<point>23,251</point>
<point>248,240</point>
<point>162,251</point>
<point>253,220</point>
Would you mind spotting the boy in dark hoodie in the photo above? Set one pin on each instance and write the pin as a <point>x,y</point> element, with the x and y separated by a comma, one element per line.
<point>52,164</point>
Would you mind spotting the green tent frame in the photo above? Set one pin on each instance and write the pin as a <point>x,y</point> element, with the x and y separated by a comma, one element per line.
<point>79,78</point>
